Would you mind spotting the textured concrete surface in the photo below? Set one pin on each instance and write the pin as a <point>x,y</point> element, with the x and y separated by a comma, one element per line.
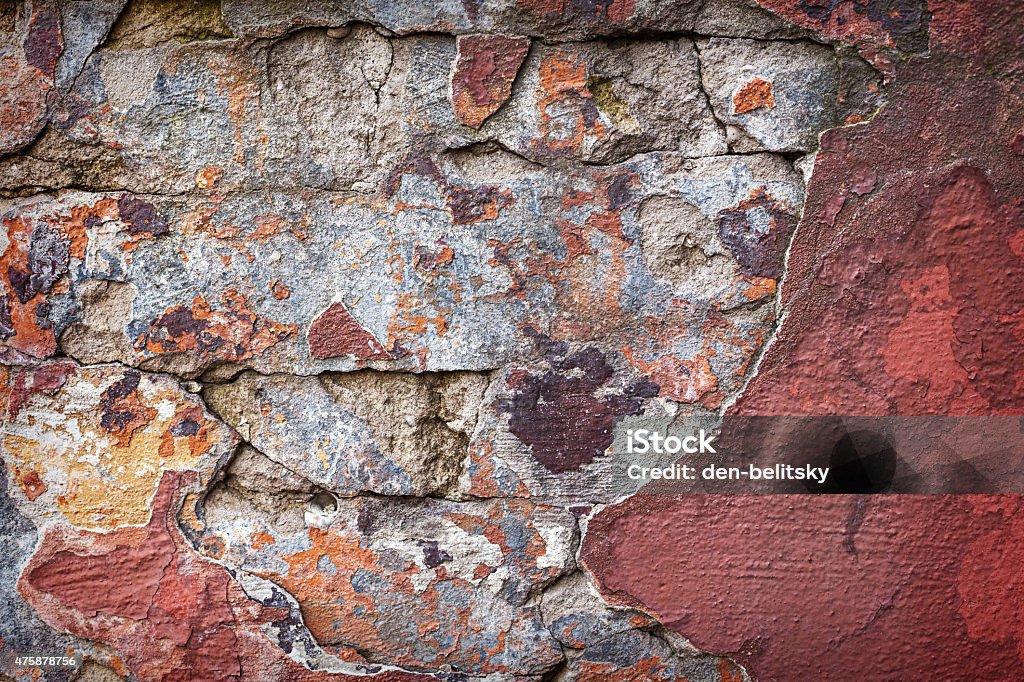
<point>317,319</point>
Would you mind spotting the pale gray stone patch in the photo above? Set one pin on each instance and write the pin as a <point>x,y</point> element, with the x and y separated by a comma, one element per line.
<point>804,80</point>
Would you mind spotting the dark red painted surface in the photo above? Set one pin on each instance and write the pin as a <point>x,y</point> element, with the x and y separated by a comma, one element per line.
<point>905,281</point>
<point>43,41</point>
<point>566,415</point>
<point>484,72</point>
<point>827,588</point>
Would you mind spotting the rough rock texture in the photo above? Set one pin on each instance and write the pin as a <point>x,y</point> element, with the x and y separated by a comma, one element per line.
<point>318,320</point>
<point>365,431</point>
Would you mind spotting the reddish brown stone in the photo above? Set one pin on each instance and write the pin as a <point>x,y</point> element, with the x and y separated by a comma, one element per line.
<point>336,333</point>
<point>484,72</point>
<point>902,24</point>
<point>43,42</point>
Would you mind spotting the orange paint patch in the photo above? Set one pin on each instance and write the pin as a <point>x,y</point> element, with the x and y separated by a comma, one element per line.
<point>412,318</point>
<point>261,540</point>
<point>759,287</point>
<point>330,600</point>
<point>756,94</point>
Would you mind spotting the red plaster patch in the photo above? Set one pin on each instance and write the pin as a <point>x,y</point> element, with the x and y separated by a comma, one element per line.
<point>803,587</point>
<point>876,26</point>
<point>172,615</point>
<point>886,343</point>
<point>336,333</point>
<point>607,13</point>
<point>484,72</point>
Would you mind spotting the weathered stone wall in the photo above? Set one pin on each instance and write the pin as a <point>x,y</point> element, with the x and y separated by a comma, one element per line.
<point>316,320</point>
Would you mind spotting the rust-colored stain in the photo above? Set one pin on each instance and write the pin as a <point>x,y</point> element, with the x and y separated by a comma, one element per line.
<point>30,483</point>
<point>756,94</point>
<point>354,588</point>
